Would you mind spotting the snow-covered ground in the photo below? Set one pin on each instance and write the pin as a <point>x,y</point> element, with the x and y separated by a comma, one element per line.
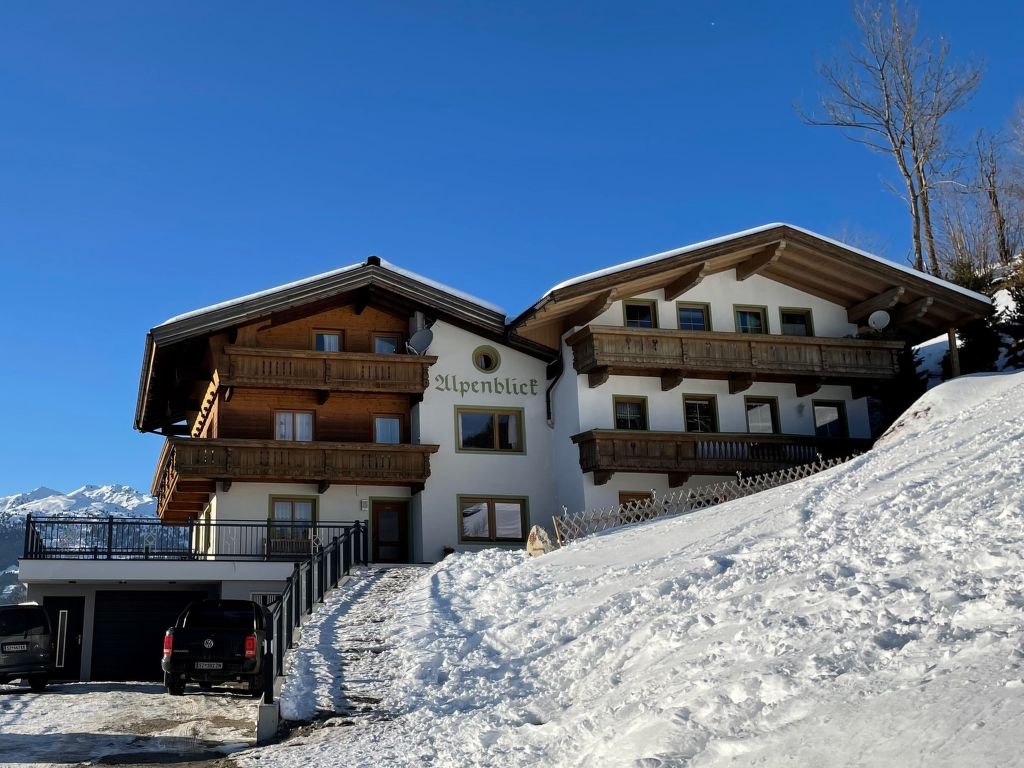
<point>337,670</point>
<point>119,722</point>
<point>871,615</point>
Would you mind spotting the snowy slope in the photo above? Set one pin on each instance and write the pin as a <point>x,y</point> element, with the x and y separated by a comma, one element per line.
<point>871,615</point>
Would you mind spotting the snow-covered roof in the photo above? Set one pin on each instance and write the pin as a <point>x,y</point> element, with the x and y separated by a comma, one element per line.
<point>755,230</point>
<point>325,276</point>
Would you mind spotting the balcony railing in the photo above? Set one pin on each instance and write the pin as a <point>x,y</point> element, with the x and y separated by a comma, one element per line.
<point>601,350</point>
<point>187,464</point>
<point>681,454</point>
<point>119,538</point>
<point>328,371</point>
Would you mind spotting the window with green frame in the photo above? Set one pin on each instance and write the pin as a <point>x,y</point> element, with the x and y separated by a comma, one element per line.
<point>694,317</point>
<point>751,320</point>
<point>292,517</point>
<point>630,412</point>
<point>487,518</point>
<point>640,313</point>
<point>796,322</point>
<point>762,415</point>
<point>700,413</point>
<point>830,418</point>
<point>490,429</point>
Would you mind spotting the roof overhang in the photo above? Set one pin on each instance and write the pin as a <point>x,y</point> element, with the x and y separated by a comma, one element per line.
<point>371,277</point>
<point>920,304</point>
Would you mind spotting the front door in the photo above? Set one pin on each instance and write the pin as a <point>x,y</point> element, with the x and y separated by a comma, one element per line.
<point>389,521</point>
<point>67,618</point>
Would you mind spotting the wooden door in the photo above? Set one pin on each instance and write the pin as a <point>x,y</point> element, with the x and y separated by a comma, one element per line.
<point>389,523</point>
<point>67,618</point>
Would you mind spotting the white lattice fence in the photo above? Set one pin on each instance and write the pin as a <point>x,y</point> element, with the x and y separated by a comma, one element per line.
<point>572,526</point>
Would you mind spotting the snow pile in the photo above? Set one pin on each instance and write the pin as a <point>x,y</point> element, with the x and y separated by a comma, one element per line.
<point>87,501</point>
<point>869,615</point>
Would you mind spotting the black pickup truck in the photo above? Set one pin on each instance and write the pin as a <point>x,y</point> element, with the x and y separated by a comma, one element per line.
<point>217,641</point>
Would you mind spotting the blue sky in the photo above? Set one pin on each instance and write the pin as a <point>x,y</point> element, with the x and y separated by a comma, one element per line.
<point>156,158</point>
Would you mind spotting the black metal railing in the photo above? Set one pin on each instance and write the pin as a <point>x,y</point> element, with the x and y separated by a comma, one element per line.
<point>307,586</point>
<point>123,538</point>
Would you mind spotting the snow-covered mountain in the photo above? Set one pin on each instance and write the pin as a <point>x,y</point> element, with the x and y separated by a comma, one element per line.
<point>870,615</point>
<point>87,501</point>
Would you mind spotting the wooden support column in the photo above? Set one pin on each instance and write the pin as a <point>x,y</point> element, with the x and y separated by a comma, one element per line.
<point>954,354</point>
<point>885,300</point>
<point>591,310</point>
<point>686,281</point>
<point>602,477</point>
<point>755,264</point>
<point>670,380</point>
<point>739,383</point>
<point>597,377</point>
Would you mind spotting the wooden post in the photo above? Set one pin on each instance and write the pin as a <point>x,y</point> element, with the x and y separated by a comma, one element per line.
<point>954,354</point>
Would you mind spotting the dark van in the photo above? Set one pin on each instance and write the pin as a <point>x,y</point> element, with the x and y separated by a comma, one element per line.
<point>26,646</point>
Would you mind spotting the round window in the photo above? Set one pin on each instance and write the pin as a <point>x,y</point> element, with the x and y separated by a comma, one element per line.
<point>486,359</point>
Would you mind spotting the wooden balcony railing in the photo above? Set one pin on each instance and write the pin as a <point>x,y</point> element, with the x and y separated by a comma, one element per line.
<point>329,371</point>
<point>681,454</point>
<point>189,469</point>
<point>674,355</point>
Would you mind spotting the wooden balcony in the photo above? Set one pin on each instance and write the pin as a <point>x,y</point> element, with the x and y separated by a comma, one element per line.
<point>325,371</point>
<point>741,358</point>
<point>681,454</point>
<point>189,469</point>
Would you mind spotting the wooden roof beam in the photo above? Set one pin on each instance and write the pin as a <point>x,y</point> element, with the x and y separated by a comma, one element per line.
<point>591,310</point>
<point>915,310</point>
<point>761,261</point>
<point>689,279</point>
<point>885,300</point>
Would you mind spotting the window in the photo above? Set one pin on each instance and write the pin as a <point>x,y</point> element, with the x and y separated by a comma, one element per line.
<point>762,415</point>
<point>630,412</point>
<point>701,413</point>
<point>796,322</point>
<point>486,359</point>
<point>386,343</point>
<point>694,317</point>
<point>387,429</point>
<point>640,314</point>
<point>492,519</point>
<point>490,429</point>
<point>293,425</point>
<point>830,419</point>
<point>751,320</point>
<point>327,341</point>
<point>292,518</point>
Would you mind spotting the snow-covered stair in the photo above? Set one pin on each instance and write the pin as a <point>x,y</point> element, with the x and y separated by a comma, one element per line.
<point>335,670</point>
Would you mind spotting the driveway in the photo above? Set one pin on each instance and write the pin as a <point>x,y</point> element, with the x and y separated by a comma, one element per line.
<point>121,724</point>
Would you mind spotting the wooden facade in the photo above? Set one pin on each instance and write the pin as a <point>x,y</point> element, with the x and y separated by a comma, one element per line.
<point>599,351</point>
<point>682,454</point>
<point>188,468</point>
<point>242,378</point>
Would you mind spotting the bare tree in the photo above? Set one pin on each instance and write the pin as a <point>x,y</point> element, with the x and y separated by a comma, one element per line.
<point>983,216</point>
<point>894,93</point>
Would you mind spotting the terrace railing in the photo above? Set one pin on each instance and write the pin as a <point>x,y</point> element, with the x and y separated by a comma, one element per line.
<point>120,538</point>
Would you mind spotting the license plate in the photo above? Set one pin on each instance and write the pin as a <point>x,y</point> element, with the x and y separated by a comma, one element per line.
<point>209,665</point>
<point>15,647</point>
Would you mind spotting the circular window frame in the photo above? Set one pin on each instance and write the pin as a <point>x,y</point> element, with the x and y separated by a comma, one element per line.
<point>486,349</point>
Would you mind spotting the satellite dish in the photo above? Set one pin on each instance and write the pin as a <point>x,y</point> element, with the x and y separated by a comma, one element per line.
<point>879,319</point>
<point>420,342</point>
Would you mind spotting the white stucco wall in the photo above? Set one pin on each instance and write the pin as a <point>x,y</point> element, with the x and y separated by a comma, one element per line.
<point>594,407</point>
<point>452,473</point>
<point>722,291</point>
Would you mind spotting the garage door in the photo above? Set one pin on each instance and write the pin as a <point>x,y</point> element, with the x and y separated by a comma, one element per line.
<point>128,633</point>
